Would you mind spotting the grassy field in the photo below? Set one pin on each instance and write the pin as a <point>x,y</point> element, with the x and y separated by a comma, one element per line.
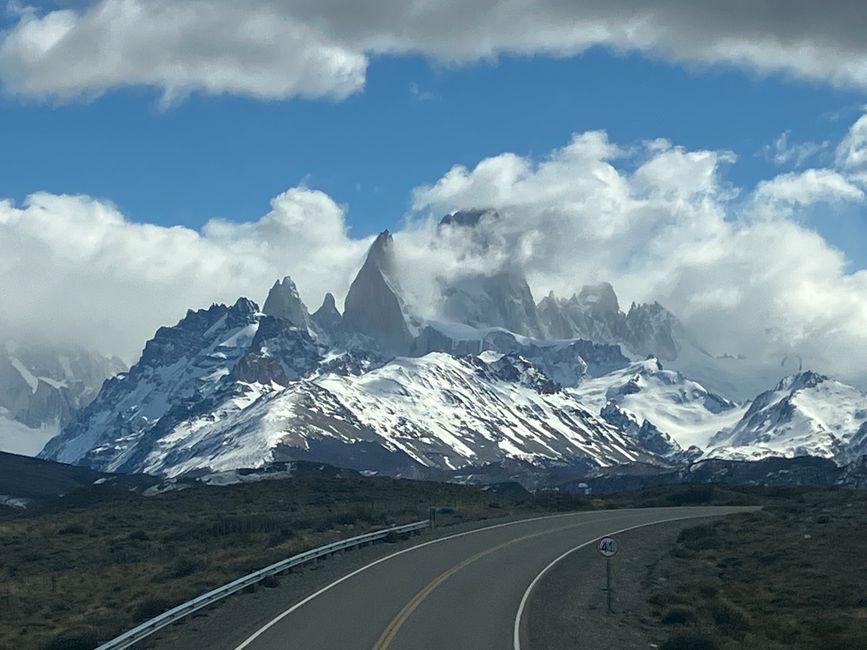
<point>77,575</point>
<point>793,575</point>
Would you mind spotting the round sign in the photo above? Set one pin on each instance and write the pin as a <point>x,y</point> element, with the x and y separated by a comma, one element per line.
<point>607,547</point>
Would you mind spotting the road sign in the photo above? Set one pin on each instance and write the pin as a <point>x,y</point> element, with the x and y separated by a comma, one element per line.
<point>607,547</point>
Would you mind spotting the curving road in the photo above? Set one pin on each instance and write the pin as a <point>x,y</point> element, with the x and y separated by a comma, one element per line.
<point>463,591</point>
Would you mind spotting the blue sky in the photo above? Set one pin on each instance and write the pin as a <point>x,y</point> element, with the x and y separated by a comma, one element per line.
<point>163,113</point>
<point>226,156</point>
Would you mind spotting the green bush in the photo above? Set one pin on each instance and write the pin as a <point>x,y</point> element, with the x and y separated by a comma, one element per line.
<point>728,616</point>
<point>151,607</point>
<point>184,566</point>
<point>699,538</point>
<point>690,641</point>
<point>664,598</point>
<point>692,495</point>
<point>280,536</point>
<point>270,582</point>
<point>72,529</point>
<point>82,641</point>
<point>678,615</point>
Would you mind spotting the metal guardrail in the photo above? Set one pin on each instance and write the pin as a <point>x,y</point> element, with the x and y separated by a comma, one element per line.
<point>183,610</point>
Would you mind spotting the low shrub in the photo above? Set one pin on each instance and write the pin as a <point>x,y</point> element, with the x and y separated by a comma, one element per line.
<point>270,582</point>
<point>699,538</point>
<point>728,616</point>
<point>690,641</point>
<point>81,641</point>
<point>151,607</point>
<point>184,566</point>
<point>678,615</point>
<point>72,529</point>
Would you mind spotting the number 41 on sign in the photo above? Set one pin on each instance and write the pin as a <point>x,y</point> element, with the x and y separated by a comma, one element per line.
<point>607,547</point>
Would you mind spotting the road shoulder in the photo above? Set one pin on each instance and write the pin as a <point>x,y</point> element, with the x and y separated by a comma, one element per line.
<point>568,606</point>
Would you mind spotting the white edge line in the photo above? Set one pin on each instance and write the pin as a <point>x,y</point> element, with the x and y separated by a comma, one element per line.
<point>316,594</point>
<point>321,591</point>
<point>526,597</point>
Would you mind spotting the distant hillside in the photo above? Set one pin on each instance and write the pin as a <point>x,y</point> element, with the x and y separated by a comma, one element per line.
<point>31,478</point>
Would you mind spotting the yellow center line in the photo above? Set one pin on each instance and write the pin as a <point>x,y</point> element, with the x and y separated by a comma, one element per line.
<point>392,628</point>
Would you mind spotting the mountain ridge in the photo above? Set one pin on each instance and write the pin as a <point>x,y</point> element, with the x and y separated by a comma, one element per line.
<point>376,387</point>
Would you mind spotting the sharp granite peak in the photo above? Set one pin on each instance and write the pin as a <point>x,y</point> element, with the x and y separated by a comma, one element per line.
<point>496,378</point>
<point>374,306</point>
<point>284,302</point>
<point>594,314</point>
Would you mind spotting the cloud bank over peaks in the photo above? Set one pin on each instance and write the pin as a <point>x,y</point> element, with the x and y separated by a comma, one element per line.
<point>74,269</point>
<point>737,265</point>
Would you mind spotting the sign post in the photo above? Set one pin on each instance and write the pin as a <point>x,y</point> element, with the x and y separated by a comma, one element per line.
<point>607,547</point>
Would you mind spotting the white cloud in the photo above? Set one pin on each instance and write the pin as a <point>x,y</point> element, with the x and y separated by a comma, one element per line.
<point>671,231</point>
<point>852,151</point>
<point>422,95</point>
<point>285,48</point>
<point>783,152</point>
<point>74,269</point>
<point>657,220</point>
<point>807,187</point>
<point>210,46</point>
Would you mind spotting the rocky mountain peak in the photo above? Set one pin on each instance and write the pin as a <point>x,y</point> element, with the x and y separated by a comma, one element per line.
<point>381,252</point>
<point>244,308</point>
<point>468,218</point>
<point>599,298</point>
<point>502,300</point>
<point>373,305</point>
<point>328,304</point>
<point>804,414</point>
<point>800,381</point>
<point>327,317</point>
<point>41,388</point>
<point>284,302</point>
<point>515,369</point>
<point>594,314</point>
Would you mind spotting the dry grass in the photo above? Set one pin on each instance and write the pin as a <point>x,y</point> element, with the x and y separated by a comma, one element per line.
<point>72,577</point>
<point>790,576</point>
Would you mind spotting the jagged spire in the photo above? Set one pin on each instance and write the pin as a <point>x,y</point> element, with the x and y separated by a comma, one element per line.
<point>284,302</point>
<point>373,305</point>
<point>327,317</point>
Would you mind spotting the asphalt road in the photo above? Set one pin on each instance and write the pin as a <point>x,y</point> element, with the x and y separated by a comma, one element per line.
<point>463,591</point>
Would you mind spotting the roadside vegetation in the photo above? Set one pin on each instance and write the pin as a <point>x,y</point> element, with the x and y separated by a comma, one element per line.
<point>88,567</point>
<point>793,575</point>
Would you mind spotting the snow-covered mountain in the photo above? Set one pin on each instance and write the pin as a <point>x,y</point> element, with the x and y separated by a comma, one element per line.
<point>233,386</point>
<point>207,359</point>
<point>805,414</point>
<point>594,314</point>
<point>496,379</point>
<point>503,300</point>
<point>644,394</point>
<point>41,388</point>
<point>438,411</point>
